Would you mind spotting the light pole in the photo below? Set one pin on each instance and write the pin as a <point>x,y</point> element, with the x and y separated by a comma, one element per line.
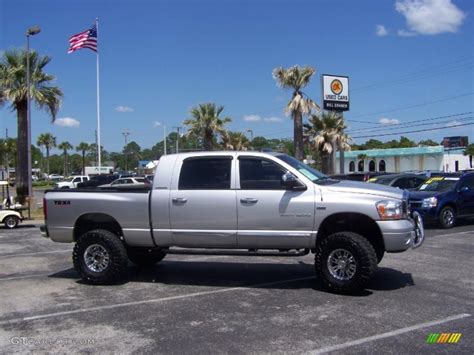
<point>30,32</point>
<point>177,138</point>
<point>125,136</point>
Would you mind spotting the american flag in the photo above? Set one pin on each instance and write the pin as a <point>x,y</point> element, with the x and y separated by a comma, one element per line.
<point>86,39</point>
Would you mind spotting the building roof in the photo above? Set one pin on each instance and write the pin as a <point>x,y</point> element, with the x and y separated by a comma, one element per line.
<point>390,152</point>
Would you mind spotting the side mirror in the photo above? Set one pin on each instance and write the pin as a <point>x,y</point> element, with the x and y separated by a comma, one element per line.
<point>291,182</point>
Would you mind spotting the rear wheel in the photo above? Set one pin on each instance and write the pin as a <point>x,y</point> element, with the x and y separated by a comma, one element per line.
<point>145,257</point>
<point>11,222</point>
<point>447,217</point>
<point>345,262</point>
<point>100,257</point>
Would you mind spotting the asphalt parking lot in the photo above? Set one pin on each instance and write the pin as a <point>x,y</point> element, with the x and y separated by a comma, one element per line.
<point>220,304</point>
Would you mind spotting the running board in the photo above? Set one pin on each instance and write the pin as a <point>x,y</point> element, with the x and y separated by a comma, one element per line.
<point>235,252</point>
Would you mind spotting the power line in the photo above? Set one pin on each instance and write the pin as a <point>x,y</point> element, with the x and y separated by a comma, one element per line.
<point>408,107</point>
<point>416,131</point>
<point>385,126</point>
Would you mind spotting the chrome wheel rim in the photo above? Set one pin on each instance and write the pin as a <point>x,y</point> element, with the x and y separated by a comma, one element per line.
<point>96,258</point>
<point>11,223</point>
<point>448,217</point>
<point>342,264</point>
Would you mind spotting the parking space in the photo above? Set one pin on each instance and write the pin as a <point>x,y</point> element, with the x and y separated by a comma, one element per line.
<point>197,304</point>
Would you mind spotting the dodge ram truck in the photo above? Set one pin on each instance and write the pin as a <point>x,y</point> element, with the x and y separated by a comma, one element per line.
<point>234,203</point>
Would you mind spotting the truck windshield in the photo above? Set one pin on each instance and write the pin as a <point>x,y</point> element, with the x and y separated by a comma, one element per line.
<point>304,169</point>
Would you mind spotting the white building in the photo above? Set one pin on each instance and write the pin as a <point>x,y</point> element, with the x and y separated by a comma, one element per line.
<point>405,159</point>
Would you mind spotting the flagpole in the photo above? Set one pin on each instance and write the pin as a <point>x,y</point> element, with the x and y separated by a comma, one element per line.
<point>98,101</point>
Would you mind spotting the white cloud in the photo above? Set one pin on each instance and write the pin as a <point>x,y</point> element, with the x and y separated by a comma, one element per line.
<point>389,121</point>
<point>430,17</point>
<point>123,109</point>
<point>156,124</point>
<point>381,31</point>
<point>405,33</point>
<point>272,119</point>
<point>453,123</point>
<point>252,118</point>
<point>67,122</point>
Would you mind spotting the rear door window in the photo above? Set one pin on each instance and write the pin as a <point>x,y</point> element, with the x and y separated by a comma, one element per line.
<point>207,173</point>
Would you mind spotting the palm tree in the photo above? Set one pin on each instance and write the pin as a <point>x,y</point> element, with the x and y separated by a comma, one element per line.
<point>235,141</point>
<point>83,148</point>
<point>48,141</point>
<point>13,89</point>
<point>65,146</point>
<point>300,105</point>
<point>324,134</point>
<point>206,123</point>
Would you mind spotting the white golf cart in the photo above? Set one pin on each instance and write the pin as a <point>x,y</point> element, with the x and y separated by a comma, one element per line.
<point>9,216</point>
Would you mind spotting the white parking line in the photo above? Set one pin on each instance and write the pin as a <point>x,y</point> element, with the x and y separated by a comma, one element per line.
<point>155,300</point>
<point>392,333</point>
<point>37,253</point>
<point>458,233</point>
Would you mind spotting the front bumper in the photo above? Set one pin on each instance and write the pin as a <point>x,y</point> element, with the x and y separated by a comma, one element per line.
<point>400,235</point>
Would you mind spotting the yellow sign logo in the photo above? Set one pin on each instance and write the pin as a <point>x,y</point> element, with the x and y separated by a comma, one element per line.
<point>336,86</point>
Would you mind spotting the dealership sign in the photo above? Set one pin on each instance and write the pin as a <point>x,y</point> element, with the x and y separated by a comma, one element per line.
<point>335,92</point>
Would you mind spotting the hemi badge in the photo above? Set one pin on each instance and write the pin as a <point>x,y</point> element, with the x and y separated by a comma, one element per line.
<point>62,203</point>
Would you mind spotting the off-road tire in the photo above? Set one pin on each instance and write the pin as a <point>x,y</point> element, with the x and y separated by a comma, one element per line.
<point>145,257</point>
<point>11,222</point>
<point>117,264</point>
<point>444,221</point>
<point>364,255</point>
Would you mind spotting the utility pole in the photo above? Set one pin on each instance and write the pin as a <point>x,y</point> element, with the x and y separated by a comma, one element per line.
<point>177,138</point>
<point>125,136</point>
<point>341,151</point>
<point>164,139</point>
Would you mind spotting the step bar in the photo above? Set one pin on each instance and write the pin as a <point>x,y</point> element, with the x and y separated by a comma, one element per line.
<point>228,252</point>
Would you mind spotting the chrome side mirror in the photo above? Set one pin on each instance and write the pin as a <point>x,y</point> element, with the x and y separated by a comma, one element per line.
<point>289,180</point>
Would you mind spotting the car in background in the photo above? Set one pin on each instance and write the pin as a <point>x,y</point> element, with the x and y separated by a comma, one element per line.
<point>444,199</point>
<point>71,183</point>
<point>97,180</point>
<point>402,181</point>
<point>359,176</point>
<point>128,182</point>
<point>55,177</point>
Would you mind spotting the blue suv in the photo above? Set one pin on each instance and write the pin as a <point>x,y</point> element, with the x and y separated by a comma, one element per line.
<point>444,199</point>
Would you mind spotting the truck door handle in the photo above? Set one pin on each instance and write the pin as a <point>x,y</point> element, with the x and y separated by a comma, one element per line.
<point>179,200</point>
<point>248,201</point>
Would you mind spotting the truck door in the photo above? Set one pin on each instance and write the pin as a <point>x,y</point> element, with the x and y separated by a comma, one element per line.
<point>466,196</point>
<point>269,216</point>
<point>203,210</point>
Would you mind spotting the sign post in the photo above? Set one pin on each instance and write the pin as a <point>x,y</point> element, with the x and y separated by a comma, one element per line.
<point>336,98</point>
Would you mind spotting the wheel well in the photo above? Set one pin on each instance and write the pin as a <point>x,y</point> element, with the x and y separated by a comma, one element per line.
<point>352,222</point>
<point>449,204</point>
<point>90,221</point>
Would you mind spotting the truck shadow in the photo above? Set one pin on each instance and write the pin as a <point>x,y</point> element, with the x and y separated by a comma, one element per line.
<point>248,275</point>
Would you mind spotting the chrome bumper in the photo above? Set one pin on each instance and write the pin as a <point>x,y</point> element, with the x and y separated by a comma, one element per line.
<point>419,230</point>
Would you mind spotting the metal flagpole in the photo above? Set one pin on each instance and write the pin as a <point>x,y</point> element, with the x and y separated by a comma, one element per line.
<point>98,100</point>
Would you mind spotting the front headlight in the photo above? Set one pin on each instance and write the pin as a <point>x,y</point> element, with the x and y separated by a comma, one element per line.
<point>390,209</point>
<point>429,202</point>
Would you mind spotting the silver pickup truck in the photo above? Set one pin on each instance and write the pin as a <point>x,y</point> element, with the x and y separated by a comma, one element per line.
<point>234,203</point>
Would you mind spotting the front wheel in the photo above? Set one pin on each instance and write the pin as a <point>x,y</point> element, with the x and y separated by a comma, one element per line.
<point>345,262</point>
<point>447,217</point>
<point>11,222</point>
<point>100,257</point>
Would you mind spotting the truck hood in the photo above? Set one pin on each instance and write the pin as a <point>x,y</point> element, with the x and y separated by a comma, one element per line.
<point>365,188</point>
<point>420,195</point>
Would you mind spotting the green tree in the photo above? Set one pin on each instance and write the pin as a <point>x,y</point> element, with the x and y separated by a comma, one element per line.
<point>13,89</point>
<point>206,124</point>
<point>406,143</point>
<point>132,153</point>
<point>469,151</point>
<point>234,141</point>
<point>296,78</point>
<point>428,142</point>
<point>65,146</point>
<point>83,148</point>
<point>324,133</point>
<point>48,141</point>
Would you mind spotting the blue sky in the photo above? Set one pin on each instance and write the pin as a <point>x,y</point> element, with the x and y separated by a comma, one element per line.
<point>160,58</point>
